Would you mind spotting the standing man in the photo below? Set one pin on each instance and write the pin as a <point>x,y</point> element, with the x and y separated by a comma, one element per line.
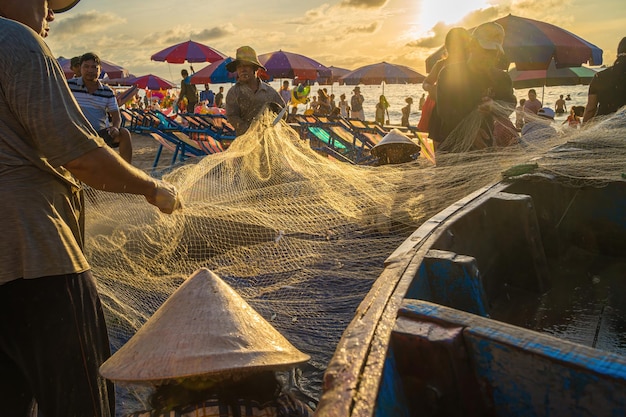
<point>98,103</point>
<point>356,104</point>
<point>219,98</point>
<point>188,93</point>
<point>250,95</point>
<point>607,91</point>
<point>560,106</point>
<point>53,335</point>
<point>475,85</point>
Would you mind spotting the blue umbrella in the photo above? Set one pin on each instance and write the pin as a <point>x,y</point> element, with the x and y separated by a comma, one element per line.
<point>216,73</point>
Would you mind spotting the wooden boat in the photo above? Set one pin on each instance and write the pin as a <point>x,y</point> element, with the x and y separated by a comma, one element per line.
<point>510,302</point>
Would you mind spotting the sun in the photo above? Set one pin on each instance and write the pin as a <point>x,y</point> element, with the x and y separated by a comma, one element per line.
<point>446,11</point>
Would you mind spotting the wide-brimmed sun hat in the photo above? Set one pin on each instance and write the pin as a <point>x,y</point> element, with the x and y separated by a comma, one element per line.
<point>490,35</point>
<point>204,328</point>
<point>60,6</point>
<point>247,55</point>
<point>397,139</point>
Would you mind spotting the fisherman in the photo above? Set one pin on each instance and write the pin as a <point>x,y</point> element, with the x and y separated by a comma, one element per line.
<point>53,335</point>
<point>607,91</point>
<point>250,95</point>
<point>226,365</point>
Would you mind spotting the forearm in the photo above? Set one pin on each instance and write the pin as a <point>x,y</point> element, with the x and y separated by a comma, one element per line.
<point>103,169</point>
<point>116,120</point>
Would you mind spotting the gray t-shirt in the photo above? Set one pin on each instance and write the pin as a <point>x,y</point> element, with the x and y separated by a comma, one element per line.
<point>243,104</point>
<point>41,128</point>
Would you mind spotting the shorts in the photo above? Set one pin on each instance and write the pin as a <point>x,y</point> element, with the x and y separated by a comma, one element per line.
<point>104,134</point>
<point>53,339</point>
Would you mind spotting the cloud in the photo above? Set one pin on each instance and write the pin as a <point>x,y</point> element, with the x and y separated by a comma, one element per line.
<point>371,28</point>
<point>363,4</point>
<point>85,23</point>
<point>437,34</point>
<point>312,16</point>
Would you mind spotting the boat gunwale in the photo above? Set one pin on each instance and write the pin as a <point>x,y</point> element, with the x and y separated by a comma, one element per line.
<point>344,391</point>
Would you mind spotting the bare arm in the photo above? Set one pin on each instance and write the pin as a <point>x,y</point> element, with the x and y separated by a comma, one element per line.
<point>116,119</point>
<point>103,169</point>
<point>591,108</point>
<point>429,84</point>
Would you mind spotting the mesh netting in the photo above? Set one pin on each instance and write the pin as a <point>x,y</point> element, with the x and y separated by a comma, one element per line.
<point>300,236</point>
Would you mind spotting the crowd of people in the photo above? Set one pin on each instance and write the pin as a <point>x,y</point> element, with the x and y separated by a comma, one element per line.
<point>57,135</point>
<point>469,83</point>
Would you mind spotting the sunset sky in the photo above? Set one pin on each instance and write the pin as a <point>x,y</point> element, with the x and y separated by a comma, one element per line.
<point>342,33</point>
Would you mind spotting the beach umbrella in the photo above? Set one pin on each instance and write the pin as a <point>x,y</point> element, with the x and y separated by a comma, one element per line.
<point>215,73</point>
<point>532,45</point>
<point>124,81</point>
<point>282,64</point>
<point>552,76</point>
<point>337,73</point>
<point>382,72</point>
<point>153,82</point>
<point>109,69</point>
<point>189,51</point>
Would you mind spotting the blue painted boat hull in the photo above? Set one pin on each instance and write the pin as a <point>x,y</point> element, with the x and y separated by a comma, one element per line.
<point>508,303</point>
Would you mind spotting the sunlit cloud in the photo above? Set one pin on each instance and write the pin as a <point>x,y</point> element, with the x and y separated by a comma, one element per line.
<point>85,23</point>
<point>363,4</point>
<point>435,37</point>
<point>371,28</point>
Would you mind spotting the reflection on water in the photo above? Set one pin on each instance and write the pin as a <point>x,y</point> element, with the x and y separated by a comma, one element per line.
<point>585,304</point>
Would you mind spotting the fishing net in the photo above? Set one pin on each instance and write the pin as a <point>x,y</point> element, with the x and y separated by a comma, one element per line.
<point>299,235</point>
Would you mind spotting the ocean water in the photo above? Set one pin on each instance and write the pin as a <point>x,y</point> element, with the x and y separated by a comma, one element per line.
<point>397,93</point>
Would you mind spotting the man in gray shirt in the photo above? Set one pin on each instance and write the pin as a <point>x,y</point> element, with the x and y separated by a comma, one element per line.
<point>249,96</point>
<point>53,336</point>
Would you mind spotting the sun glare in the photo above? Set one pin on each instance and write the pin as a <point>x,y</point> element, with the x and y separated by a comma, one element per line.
<point>447,11</point>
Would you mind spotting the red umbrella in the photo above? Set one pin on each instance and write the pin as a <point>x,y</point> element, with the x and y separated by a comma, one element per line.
<point>108,68</point>
<point>532,44</point>
<point>189,51</point>
<point>153,82</point>
<point>382,72</point>
<point>282,64</point>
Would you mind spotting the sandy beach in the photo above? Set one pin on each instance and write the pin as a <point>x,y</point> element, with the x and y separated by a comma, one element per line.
<point>144,151</point>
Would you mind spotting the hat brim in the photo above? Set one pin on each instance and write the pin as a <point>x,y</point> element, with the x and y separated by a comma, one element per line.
<point>60,6</point>
<point>232,66</point>
<point>204,328</point>
<point>493,46</point>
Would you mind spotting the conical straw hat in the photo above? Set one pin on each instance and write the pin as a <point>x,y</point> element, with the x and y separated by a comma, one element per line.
<point>394,137</point>
<point>204,328</point>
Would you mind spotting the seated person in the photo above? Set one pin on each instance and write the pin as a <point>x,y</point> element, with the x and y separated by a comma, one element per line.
<point>395,148</point>
<point>98,102</point>
<point>226,365</point>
